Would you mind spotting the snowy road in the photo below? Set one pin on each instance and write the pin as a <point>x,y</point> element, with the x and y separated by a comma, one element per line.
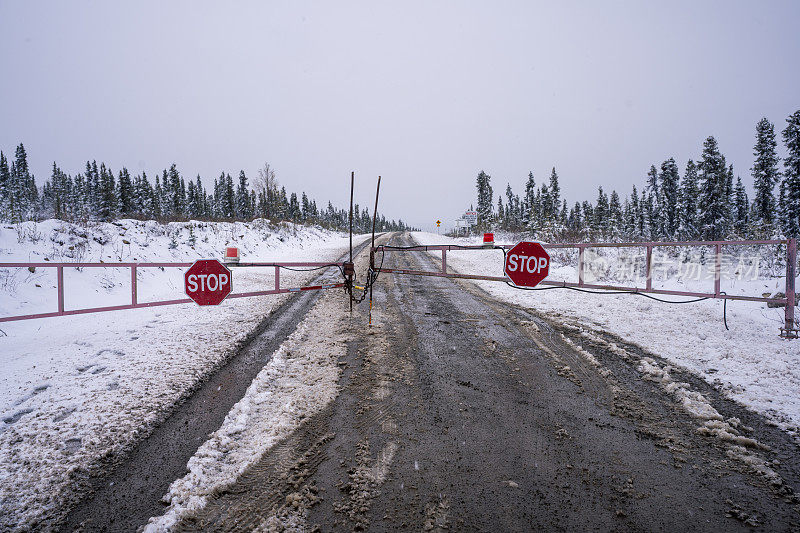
<point>458,412</point>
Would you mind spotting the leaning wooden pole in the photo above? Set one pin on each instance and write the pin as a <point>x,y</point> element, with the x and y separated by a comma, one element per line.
<point>372,249</point>
<point>350,279</point>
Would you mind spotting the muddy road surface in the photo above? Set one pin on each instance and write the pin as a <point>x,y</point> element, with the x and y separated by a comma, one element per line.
<point>457,412</point>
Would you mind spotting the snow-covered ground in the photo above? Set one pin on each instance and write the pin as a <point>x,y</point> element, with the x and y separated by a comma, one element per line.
<point>750,363</point>
<point>76,389</point>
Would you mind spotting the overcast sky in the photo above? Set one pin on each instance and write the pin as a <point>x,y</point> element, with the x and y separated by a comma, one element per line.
<point>425,94</point>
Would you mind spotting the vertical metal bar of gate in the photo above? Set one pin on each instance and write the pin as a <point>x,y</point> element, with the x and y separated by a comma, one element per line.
<point>444,261</point>
<point>791,264</point>
<point>649,267</point>
<point>60,278</point>
<point>580,265</point>
<point>277,277</point>
<point>717,268</point>
<point>133,284</point>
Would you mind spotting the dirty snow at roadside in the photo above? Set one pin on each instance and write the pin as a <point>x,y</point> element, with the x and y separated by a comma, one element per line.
<point>80,389</point>
<point>300,379</point>
<point>750,363</point>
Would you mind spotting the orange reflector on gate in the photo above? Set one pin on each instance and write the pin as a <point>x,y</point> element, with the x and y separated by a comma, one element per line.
<point>488,239</point>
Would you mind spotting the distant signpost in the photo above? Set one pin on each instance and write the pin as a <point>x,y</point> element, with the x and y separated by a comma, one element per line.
<point>471,217</point>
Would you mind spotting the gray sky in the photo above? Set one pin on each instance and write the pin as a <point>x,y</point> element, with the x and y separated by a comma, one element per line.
<point>425,94</point>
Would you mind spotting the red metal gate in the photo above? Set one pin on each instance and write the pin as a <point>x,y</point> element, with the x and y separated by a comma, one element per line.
<point>135,304</point>
<point>789,330</point>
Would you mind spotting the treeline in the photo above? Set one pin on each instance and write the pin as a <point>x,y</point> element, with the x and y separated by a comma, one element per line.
<point>100,194</point>
<point>706,202</point>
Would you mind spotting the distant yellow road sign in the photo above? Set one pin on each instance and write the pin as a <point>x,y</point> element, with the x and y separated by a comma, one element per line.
<point>438,223</point>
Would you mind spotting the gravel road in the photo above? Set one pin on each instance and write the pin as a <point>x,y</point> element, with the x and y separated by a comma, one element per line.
<point>457,412</point>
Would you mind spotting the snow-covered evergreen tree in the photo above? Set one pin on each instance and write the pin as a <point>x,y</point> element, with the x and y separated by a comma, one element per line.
<point>790,186</point>
<point>601,213</point>
<point>485,200</point>
<point>528,203</point>
<point>669,181</point>
<point>106,195</point>
<point>765,176</point>
<point>713,176</point>
<point>687,207</point>
<point>242,202</point>
<point>554,202</point>
<point>740,223</point>
<point>125,194</point>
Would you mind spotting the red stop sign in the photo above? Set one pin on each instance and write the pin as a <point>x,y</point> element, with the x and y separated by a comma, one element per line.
<point>208,282</point>
<point>527,264</point>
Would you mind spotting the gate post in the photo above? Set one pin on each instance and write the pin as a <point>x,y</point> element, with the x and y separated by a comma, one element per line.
<point>717,268</point>
<point>60,278</point>
<point>649,267</point>
<point>789,330</point>
<point>133,285</point>
<point>444,260</point>
<point>277,277</point>
<point>580,264</point>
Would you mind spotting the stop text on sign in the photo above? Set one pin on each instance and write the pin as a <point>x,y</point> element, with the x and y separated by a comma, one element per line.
<point>527,264</point>
<point>532,264</point>
<point>196,282</point>
<point>208,282</point>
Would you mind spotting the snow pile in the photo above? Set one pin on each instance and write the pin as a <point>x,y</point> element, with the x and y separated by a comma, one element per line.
<point>739,447</point>
<point>750,363</point>
<point>78,391</point>
<point>300,379</point>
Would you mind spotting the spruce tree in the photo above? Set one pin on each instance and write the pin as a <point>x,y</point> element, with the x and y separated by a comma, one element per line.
<point>653,205</point>
<point>5,186</point>
<point>791,177</point>
<point>636,215</point>
<point>21,191</point>
<point>242,197</point>
<point>107,197</point>
<point>305,207</point>
<point>765,176</point>
<point>485,196</point>
<point>601,213</point>
<point>713,178</point>
<point>158,194</point>
<point>500,219</point>
<point>741,211</point>
<point>228,198</point>
<point>528,203</point>
<point>615,222</point>
<point>669,183</point>
<point>687,208</point>
<point>555,194</point>
<point>125,193</point>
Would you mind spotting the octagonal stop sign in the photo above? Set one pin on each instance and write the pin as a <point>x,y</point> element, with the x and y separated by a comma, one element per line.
<point>527,264</point>
<point>208,282</point>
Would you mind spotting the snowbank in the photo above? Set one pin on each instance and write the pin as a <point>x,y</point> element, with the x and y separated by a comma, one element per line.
<point>750,363</point>
<point>75,390</point>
